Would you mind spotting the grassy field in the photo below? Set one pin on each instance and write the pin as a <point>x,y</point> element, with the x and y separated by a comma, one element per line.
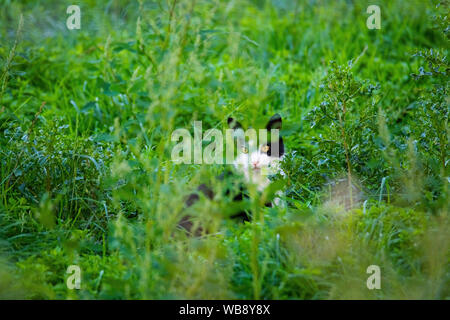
<point>86,176</point>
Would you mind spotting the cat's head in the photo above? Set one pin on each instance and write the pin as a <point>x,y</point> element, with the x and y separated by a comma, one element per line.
<point>259,158</point>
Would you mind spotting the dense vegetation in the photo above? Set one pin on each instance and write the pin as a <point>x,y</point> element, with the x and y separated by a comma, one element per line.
<point>86,118</point>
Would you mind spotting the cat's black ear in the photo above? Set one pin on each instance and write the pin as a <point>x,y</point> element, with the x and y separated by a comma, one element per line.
<point>233,124</point>
<point>274,123</point>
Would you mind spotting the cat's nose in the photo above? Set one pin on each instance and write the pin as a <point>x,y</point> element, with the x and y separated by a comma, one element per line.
<point>255,164</point>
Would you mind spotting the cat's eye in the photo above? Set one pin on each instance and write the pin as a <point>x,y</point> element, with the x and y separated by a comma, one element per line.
<point>244,150</point>
<point>265,148</point>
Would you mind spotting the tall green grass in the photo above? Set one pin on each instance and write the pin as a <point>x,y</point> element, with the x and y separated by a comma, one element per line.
<point>86,178</point>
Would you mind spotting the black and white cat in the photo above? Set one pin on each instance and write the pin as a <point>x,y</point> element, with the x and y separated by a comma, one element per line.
<point>256,162</point>
<point>262,160</point>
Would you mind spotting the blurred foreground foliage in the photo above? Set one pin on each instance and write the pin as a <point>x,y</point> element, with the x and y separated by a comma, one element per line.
<point>86,177</point>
